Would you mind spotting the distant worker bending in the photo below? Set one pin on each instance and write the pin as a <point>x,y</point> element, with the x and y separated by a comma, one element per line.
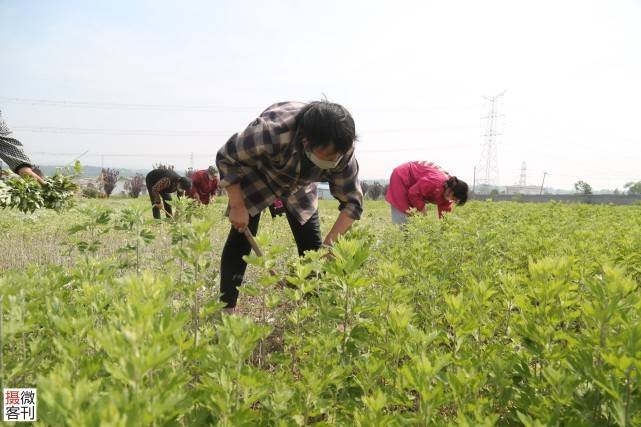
<point>160,184</point>
<point>204,184</point>
<point>414,184</point>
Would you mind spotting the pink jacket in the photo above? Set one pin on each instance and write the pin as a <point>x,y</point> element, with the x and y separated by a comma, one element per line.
<point>413,184</point>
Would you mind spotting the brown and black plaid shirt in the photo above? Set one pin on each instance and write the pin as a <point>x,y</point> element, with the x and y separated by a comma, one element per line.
<point>266,160</point>
<point>11,151</point>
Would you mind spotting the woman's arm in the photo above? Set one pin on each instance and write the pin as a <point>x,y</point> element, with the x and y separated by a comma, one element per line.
<point>418,192</point>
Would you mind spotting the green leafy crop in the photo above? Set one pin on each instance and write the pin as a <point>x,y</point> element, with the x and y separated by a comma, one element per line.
<point>500,314</point>
<point>28,196</point>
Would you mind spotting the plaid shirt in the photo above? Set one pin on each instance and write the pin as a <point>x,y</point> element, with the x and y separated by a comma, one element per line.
<point>11,151</point>
<point>265,159</point>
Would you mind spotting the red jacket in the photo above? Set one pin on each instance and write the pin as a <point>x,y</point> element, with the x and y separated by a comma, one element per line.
<point>413,184</point>
<point>202,187</point>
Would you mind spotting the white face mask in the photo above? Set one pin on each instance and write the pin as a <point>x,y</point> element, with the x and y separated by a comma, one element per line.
<point>322,164</point>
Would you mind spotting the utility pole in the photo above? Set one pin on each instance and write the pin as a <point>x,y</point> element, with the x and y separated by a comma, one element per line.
<point>489,168</point>
<point>542,183</point>
<point>474,182</point>
<point>191,160</point>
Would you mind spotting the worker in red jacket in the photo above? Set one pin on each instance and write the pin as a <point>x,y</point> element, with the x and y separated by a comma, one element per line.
<point>414,184</point>
<point>204,184</point>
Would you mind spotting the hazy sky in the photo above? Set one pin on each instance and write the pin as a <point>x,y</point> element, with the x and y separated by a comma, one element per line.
<point>156,80</point>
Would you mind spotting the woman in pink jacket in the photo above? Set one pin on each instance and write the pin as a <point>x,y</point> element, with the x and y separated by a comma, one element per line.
<point>414,184</point>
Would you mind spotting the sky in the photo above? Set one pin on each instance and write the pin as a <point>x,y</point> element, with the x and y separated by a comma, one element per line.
<point>132,83</point>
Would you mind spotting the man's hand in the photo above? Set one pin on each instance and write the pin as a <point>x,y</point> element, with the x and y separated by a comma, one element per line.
<point>238,214</point>
<point>239,217</point>
<point>329,255</point>
<point>27,171</point>
<point>159,206</point>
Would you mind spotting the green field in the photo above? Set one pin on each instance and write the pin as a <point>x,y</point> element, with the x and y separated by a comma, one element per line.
<point>500,314</point>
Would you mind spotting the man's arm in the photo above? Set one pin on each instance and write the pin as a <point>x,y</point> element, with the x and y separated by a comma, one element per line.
<point>12,153</point>
<point>344,186</point>
<point>161,185</point>
<point>238,214</point>
<point>27,171</point>
<point>340,227</point>
<point>241,154</point>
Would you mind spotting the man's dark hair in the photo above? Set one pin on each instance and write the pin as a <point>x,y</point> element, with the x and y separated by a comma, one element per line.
<point>459,189</point>
<point>324,123</point>
<point>184,183</point>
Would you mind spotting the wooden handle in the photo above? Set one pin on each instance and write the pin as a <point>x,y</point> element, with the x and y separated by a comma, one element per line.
<point>258,252</point>
<point>167,213</point>
<point>252,242</point>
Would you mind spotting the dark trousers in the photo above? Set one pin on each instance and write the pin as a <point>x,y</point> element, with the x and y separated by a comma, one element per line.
<point>166,198</point>
<point>232,266</point>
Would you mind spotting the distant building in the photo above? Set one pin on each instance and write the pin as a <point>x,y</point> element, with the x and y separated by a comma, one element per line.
<point>323,191</point>
<point>487,189</point>
<point>522,189</point>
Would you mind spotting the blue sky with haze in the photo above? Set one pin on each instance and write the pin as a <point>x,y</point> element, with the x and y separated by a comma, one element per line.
<point>412,73</point>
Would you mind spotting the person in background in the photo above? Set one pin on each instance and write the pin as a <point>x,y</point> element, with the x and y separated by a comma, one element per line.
<point>12,153</point>
<point>282,155</point>
<point>414,184</point>
<point>160,184</point>
<point>204,184</point>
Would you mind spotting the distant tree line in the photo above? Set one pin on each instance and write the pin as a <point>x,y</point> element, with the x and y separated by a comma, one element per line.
<point>633,188</point>
<point>374,191</point>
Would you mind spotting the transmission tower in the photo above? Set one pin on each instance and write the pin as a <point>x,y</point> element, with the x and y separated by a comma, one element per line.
<point>488,165</point>
<point>522,180</point>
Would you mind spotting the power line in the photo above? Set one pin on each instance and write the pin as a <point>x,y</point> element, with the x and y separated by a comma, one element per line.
<point>591,173</point>
<point>195,154</point>
<point>123,106</point>
<point>201,108</point>
<point>150,154</point>
<point>623,175</point>
<point>139,132</point>
<point>424,148</point>
<point>157,132</point>
<point>417,130</point>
